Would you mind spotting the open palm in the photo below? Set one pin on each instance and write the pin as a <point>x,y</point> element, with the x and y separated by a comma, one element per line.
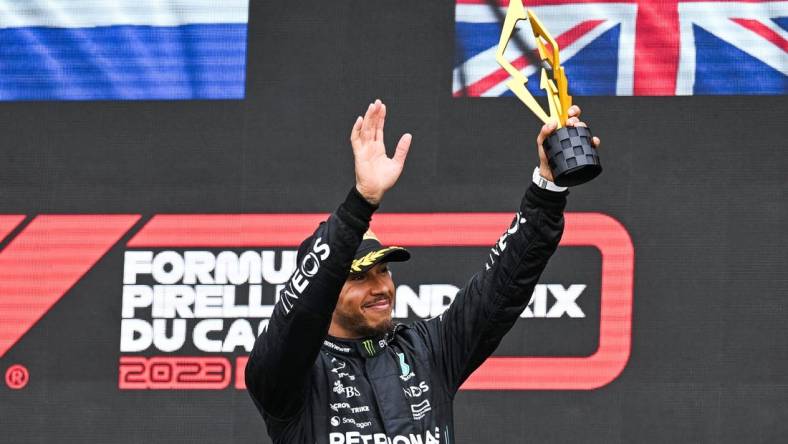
<point>375,171</point>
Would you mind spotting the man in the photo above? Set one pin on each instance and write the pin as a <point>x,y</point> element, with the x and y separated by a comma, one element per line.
<point>333,368</point>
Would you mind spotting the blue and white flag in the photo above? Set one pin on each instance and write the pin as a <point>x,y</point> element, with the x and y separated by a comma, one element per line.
<point>122,49</point>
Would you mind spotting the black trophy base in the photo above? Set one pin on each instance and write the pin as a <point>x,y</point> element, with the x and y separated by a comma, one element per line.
<point>572,156</point>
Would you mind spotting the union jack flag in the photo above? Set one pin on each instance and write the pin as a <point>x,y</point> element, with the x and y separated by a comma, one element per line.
<point>632,47</point>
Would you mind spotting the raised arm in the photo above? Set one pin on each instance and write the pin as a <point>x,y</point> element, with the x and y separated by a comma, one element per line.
<point>486,308</point>
<point>278,367</point>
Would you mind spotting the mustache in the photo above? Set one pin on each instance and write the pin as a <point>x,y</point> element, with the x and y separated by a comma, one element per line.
<point>379,298</point>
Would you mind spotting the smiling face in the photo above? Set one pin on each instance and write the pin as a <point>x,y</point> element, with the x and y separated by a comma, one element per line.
<point>365,304</point>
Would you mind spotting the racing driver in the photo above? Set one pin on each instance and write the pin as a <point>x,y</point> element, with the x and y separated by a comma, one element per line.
<point>332,367</point>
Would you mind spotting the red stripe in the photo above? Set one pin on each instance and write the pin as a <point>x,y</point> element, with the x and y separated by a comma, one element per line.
<point>481,86</point>
<point>763,31</point>
<point>226,230</point>
<point>240,372</point>
<point>656,48</point>
<point>288,230</point>
<point>441,229</point>
<point>8,222</point>
<point>67,247</point>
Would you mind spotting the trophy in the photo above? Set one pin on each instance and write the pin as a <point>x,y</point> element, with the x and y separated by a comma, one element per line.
<point>570,150</point>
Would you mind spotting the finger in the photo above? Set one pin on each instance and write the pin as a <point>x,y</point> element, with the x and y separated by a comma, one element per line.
<point>402,148</point>
<point>355,133</point>
<point>574,111</point>
<point>578,123</point>
<point>572,121</point>
<point>544,133</point>
<point>381,122</point>
<point>367,127</point>
<point>596,141</point>
<point>375,118</point>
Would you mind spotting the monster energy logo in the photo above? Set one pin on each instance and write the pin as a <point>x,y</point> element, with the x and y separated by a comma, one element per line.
<point>369,347</point>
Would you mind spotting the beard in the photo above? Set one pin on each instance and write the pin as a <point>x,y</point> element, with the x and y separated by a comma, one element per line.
<point>360,326</point>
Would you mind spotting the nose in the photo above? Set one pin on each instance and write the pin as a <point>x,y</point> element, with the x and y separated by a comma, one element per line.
<point>380,283</point>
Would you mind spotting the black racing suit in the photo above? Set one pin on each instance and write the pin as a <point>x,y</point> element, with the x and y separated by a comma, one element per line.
<point>398,388</point>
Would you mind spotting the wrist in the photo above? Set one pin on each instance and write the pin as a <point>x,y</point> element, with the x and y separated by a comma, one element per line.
<point>371,198</point>
<point>546,172</point>
<point>545,181</point>
<point>357,206</point>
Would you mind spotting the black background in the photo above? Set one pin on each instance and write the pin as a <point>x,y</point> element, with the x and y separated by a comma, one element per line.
<point>698,182</point>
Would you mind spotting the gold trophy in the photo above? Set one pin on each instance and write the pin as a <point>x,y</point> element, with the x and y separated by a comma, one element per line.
<point>570,150</point>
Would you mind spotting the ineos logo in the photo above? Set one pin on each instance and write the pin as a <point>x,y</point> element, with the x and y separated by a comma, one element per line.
<point>310,265</point>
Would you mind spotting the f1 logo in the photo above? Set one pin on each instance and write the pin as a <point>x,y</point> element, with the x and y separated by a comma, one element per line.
<point>41,263</point>
<point>452,230</point>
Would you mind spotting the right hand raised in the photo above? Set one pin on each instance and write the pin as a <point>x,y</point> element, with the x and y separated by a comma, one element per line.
<point>547,129</point>
<point>375,172</point>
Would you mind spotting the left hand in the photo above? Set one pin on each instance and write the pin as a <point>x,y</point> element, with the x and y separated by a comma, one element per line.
<point>376,173</point>
<point>547,129</point>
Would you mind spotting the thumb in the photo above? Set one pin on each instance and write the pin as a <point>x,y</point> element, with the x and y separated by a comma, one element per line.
<point>402,148</point>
